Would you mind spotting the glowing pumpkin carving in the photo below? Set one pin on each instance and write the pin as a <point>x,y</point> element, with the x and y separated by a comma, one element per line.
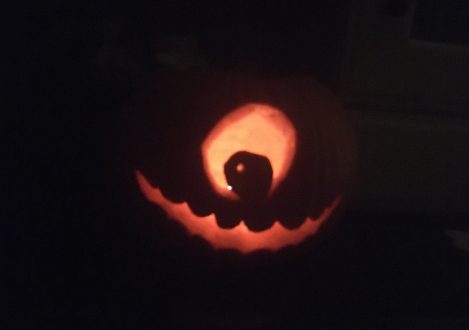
<point>247,164</point>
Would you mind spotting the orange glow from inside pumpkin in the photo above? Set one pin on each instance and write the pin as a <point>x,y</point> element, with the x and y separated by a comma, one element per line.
<point>255,128</point>
<point>240,237</point>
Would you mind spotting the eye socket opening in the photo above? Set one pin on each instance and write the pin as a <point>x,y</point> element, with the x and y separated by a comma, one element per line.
<point>255,128</point>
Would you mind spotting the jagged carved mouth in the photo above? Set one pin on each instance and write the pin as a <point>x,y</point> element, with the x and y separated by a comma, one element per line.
<point>240,237</point>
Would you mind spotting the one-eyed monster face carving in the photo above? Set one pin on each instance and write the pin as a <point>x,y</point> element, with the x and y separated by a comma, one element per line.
<point>246,162</point>
<point>247,156</point>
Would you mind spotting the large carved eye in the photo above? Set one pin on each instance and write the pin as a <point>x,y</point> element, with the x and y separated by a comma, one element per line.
<point>249,152</point>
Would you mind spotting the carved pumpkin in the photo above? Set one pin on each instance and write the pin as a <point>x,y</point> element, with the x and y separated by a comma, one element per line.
<point>246,163</point>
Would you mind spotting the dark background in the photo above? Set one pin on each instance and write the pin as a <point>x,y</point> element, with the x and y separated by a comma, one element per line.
<point>84,250</point>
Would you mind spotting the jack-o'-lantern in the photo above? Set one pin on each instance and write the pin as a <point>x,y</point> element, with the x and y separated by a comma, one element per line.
<point>247,163</point>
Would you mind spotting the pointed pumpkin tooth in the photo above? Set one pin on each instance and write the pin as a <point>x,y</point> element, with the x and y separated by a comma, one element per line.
<point>200,209</point>
<point>259,221</point>
<point>291,214</point>
<point>293,221</point>
<point>201,204</point>
<point>227,220</point>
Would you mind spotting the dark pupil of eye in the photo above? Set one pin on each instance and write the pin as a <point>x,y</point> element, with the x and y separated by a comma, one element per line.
<point>249,175</point>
